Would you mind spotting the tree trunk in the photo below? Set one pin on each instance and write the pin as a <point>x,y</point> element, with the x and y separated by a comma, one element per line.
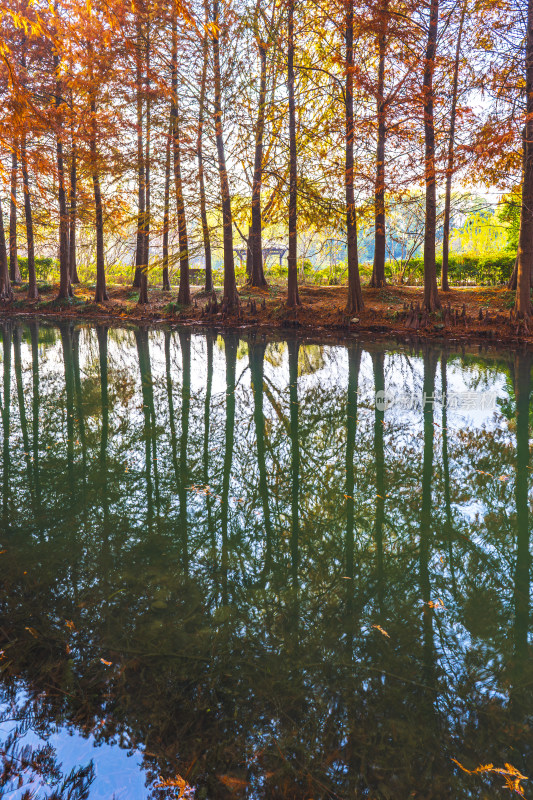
<point>257,277</point>
<point>256,358</point>
<point>17,357</point>
<point>6,293</point>
<point>36,413</point>
<point>14,270</point>
<point>248,261</point>
<point>293,298</point>
<point>519,695</point>
<point>145,368</point>
<point>80,412</point>
<point>100,294</point>
<point>101,333</point>
<point>355,297</point>
<point>511,283</point>
<point>431,295</point>
<point>166,213</point>
<point>185,346</point>
<point>378,272</point>
<point>354,362</point>
<point>65,288</point>
<point>33,293</point>
<point>199,150</point>
<point>230,346</point>
<point>139,249</point>
<point>184,292</point>
<point>68,364</point>
<point>143,289</point>
<point>171,413</point>
<point>449,169</point>
<point>231,296</point>
<point>74,278</point>
<point>446,469</point>
<point>207,417</point>
<point>293,348</point>
<point>379,421</point>
<point>6,420</point>
<point>525,242</point>
<point>426,529</point>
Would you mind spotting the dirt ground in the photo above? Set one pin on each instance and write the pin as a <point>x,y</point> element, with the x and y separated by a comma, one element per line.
<point>479,313</point>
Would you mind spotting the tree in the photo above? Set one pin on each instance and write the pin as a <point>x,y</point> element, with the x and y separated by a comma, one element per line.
<point>431,296</point>
<point>14,270</point>
<point>355,297</point>
<point>141,177</point>
<point>74,278</point>
<point>451,156</point>
<point>166,212</point>
<point>257,275</point>
<point>522,387</point>
<point>378,272</point>
<point>143,75</point>
<point>208,287</point>
<point>184,293</point>
<point>33,292</point>
<point>293,298</point>
<point>354,363</point>
<point>293,348</point>
<point>100,295</point>
<point>256,352</point>
<point>65,287</point>
<point>231,297</point>
<point>6,292</point>
<point>525,242</point>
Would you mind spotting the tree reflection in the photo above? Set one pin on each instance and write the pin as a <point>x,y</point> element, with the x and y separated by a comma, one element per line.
<point>267,586</point>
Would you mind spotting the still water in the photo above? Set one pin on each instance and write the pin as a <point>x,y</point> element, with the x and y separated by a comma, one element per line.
<point>227,570</point>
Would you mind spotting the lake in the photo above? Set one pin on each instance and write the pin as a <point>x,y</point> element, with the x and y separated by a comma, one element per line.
<point>242,567</point>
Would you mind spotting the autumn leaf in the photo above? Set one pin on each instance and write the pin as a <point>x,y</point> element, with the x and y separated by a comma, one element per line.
<point>185,790</point>
<point>107,663</point>
<point>32,631</point>
<point>235,784</point>
<point>70,625</point>
<point>381,630</point>
<point>510,774</point>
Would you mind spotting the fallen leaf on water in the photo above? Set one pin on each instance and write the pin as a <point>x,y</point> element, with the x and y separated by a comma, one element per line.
<point>107,663</point>
<point>70,625</point>
<point>178,782</point>
<point>510,774</point>
<point>381,630</point>
<point>232,783</point>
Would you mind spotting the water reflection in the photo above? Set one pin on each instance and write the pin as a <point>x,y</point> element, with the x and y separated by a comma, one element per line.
<point>221,556</point>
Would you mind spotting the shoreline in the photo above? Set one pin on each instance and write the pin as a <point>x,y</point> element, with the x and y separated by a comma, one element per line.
<point>477,314</point>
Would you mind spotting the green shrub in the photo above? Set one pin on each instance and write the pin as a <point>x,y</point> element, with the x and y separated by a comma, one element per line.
<point>45,268</point>
<point>463,268</point>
